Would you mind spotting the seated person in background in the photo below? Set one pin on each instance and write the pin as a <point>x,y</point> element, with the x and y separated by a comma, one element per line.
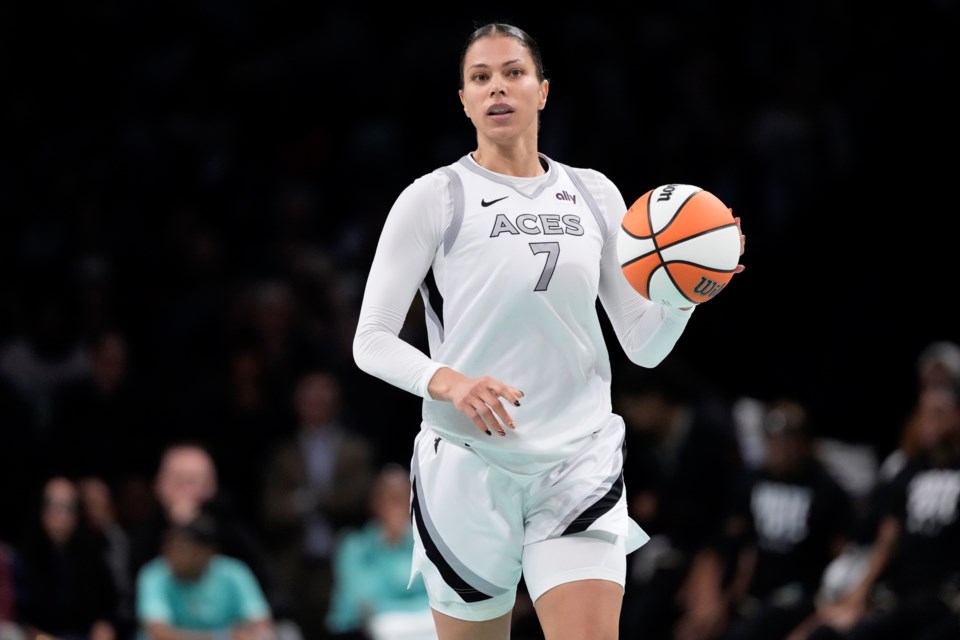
<point>910,581</point>
<point>9,630</point>
<point>191,592</point>
<point>681,464</point>
<point>186,484</point>
<point>788,520</point>
<point>372,596</point>
<point>63,586</point>
<point>96,498</point>
<point>315,482</point>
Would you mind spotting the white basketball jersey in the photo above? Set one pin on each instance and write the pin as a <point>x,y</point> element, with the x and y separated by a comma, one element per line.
<point>512,293</point>
<point>510,290</point>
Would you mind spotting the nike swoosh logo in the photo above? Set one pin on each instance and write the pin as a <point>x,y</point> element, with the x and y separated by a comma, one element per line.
<point>484,203</point>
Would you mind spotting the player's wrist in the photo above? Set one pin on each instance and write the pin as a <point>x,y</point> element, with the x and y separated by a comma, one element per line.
<point>441,383</point>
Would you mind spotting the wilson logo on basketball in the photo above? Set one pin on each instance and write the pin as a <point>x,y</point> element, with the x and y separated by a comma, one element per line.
<point>707,287</point>
<point>668,190</point>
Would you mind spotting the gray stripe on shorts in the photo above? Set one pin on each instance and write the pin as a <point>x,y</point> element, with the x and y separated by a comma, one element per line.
<point>585,504</point>
<point>462,571</point>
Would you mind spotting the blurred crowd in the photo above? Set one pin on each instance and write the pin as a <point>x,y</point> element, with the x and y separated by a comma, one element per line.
<point>294,524</point>
<point>191,196</point>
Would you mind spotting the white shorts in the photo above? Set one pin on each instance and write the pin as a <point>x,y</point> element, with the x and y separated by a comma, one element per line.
<point>477,526</point>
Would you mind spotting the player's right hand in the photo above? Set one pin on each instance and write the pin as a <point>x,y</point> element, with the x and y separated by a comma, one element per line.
<point>477,398</point>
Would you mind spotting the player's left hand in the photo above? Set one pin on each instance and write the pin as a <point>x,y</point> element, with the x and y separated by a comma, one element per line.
<point>743,242</point>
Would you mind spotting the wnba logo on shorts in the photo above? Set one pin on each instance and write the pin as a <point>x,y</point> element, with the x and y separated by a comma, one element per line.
<point>707,287</point>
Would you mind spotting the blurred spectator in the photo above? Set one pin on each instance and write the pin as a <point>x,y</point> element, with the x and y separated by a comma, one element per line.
<point>938,363</point>
<point>315,482</point>
<point>373,597</point>
<point>98,424</point>
<point>244,422</point>
<point>186,485</point>
<point>682,459</point>
<point>788,520</point>
<point>6,582</point>
<point>325,309</point>
<point>48,353</point>
<point>64,588</point>
<point>7,601</point>
<point>285,344</point>
<point>909,586</point>
<point>191,588</point>
<point>19,453</point>
<point>96,498</point>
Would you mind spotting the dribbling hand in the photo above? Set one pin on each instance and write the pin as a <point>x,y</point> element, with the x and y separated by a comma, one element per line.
<point>743,242</point>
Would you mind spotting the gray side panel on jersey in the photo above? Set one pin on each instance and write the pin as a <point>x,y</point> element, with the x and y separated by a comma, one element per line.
<point>462,571</point>
<point>505,181</point>
<point>432,301</point>
<point>456,187</point>
<point>587,197</point>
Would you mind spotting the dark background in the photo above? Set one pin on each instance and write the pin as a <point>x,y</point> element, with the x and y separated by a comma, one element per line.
<point>159,158</point>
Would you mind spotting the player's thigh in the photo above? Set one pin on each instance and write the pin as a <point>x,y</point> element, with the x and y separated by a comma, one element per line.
<point>468,530</point>
<point>450,628</point>
<point>583,556</point>
<point>576,583</point>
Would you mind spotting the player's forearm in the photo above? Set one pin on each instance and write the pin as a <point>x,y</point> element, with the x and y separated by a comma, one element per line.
<point>379,351</point>
<point>648,332</point>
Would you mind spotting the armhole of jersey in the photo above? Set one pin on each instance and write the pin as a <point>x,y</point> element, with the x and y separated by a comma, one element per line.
<point>588,198</point>
<point>456,188</point>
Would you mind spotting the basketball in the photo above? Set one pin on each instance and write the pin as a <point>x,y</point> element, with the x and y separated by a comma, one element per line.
<point>678,245</point>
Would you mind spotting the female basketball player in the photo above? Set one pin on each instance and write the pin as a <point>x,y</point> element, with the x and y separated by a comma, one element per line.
<point>510,250</point>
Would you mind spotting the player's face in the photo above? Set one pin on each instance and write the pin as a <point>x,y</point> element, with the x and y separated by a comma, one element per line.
<point>501,93</point>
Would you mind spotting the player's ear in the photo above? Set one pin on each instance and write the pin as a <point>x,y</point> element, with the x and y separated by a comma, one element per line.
<point>544,90</point>
<point>460,93</point>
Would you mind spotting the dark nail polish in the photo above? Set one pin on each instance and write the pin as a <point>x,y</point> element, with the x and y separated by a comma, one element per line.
<point>516,403</point>
<point>488,432</point>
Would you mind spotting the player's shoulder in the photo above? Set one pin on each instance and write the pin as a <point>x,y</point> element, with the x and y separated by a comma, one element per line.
<point>604,192</point>
<point>426,192</point>
<point>590,176</point>
<point>596,182</point>
<point>431,184</point>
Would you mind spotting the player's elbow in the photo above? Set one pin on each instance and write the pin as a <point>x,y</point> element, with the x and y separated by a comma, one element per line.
<point>361,350</point>
<point>650,351</point>
<point>645,359</point>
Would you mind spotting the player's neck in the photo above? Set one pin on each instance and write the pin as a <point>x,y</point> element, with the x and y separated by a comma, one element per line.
<point>518,159</point>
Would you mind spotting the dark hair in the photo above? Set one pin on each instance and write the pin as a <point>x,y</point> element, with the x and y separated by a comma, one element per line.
<point>504,29</point>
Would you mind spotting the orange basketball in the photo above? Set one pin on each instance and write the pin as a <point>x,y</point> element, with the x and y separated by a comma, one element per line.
<point>678,245</point>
